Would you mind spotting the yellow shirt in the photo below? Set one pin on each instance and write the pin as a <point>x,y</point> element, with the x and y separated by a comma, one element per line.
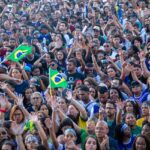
<point>139,122</point>
<point>82,123</point>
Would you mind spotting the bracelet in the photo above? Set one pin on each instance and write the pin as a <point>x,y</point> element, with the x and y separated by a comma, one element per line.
<point>2,110</point>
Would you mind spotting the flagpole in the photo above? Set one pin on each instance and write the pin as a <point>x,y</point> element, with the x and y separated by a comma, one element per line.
<point>50,82</point>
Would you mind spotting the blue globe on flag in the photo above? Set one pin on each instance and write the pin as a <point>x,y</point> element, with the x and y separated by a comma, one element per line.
<point>19,54</point>
<point>58,78</point>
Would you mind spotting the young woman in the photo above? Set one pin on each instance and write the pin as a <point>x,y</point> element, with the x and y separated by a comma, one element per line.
<point>141,143</point>
<point>124,137</point>
<point>132,107</point>
<point>19,75</point>
<point>91,143</point>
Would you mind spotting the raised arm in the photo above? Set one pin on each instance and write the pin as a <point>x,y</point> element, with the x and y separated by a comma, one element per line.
<point>145,71</point>
<point>74,102</point>
<point>34,119</point>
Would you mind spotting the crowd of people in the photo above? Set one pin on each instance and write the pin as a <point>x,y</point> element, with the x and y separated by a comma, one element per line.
<point>102,49</point>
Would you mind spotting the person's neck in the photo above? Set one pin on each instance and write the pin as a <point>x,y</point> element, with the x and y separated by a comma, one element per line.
<point>111,118</point>
<point>91,132</point>
<point>100,140</point>
<point>86,101</point>
<point>72,71</point>
<point>132,127</point>
<point>137,94</point>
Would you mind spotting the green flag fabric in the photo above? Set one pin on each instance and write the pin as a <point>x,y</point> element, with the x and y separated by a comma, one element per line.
<point>56,80</point>
<point>19,53</point>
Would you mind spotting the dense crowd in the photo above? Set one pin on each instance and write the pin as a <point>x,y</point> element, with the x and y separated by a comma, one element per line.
<point>102,49</point>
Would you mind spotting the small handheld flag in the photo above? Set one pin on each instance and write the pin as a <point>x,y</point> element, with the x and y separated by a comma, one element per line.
<point>56,79</point>
<point>19,53</point>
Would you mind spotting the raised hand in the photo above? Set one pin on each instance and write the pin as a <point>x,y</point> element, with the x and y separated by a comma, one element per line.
<point>20,100</point>
<point>3,101</point>
<point>141,56</point>
<point>48,123</point>
<point>69,95</point>
<point>34,118</point>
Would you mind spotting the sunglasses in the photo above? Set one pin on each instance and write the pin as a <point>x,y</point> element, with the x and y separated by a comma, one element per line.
<point>106,45</point>
<point>52,65</point>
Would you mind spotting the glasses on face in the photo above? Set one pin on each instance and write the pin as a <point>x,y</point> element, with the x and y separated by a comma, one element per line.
<point>106,45</point>
<point>52,65</point>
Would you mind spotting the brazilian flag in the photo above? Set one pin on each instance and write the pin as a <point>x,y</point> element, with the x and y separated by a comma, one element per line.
<point>19,53</point>
<point>56,79</point>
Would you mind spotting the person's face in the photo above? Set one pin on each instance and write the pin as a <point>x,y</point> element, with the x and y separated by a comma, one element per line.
<point>110,110</point>
<point>53,65</point>
<point>69,137</point>
<point>90,144</point>
<point>101,130</point>
<point>100,56</point>
<point>103,97</point>
<point>72,111</point>
<point>116,40</point>
<point>130,120</point>
<point>84,96</point>
<point>92,92</point>
<point>28,93</point>
<point>12,43</point>
<point>136,89</point>
<point>62,105</point>
<point>127,132</point>
<point>18,116</point>
<point>140,144</point>
<point>146,130</point>
<point>36,72</point>
<point>145,111</point>
<point>16,74</point>
<point>36,100</point>
<point>129,107</point>
<point>115,83</point>
<point>87,84</point>
<point>6,147</point>
<point>60,56</point>
<point>90,126</point>
<point>111,72</point>
<point>114,94</point>
<point>70,66</point>
<point>107,47</point>
<point>138,71</point>
<point>47,58</point>
<point>62,27</point>
<point>3,134</point>
<point>44,109</point>
<point>31,144</point>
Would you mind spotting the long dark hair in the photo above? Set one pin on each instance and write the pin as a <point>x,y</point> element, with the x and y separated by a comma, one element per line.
<point>146,141</point>
<point>97,144</point>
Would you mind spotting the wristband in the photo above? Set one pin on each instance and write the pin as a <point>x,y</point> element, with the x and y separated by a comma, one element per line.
<point>2,110</point>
